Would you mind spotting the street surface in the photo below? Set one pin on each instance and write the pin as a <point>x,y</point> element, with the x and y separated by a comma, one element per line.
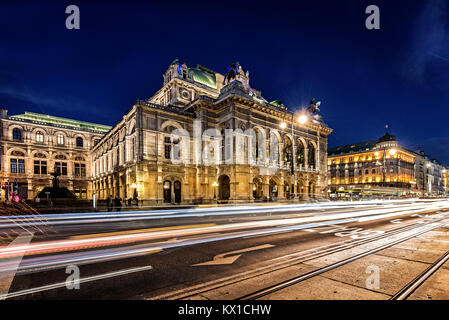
<point>390,249</point>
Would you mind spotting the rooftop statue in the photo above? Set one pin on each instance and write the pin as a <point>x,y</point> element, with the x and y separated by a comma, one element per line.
<point>235,72</point>
<point>232,72</point>
<point>313,106</point>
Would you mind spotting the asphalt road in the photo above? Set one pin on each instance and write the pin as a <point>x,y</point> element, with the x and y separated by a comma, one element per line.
<point>242,252</point>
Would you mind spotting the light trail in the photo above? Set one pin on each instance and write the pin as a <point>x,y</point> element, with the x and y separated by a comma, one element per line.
<point>83,280</point>
<point>200,235</point>
<point>94,218</point>
<point>81,244</point>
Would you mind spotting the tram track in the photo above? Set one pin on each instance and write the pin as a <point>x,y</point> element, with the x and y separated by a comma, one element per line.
<point>288,283</point>
<point>411,287</point>
<point>300,257</point>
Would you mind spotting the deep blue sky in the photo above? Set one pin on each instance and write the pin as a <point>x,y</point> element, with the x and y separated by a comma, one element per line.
<point>294,51</point>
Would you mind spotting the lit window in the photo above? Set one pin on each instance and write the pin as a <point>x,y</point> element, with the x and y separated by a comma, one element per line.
<point>60,139</point>
<point>39,137</point>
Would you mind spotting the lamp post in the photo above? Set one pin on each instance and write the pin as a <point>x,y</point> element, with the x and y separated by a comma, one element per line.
<point>302,119</point>
<point>215,185</point>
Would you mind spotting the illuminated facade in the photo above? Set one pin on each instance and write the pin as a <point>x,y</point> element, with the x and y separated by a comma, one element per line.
<point>32,145</point>
<point>374,168</point>
<point>135,158</point>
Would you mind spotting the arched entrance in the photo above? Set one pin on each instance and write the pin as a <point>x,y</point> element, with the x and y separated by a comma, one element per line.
<point>177,191</point>
<point>300,189</point>
<point>224,188</point>
<point>287,191</point>
<point>167,191</point>
<point>257,188</point>
<point>311,190</point>
<point>273,190</point>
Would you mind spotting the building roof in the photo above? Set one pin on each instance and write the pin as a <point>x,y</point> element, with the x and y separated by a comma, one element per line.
<point>204,76</point>
<point>352,148</point>
<point>386,137</point>
<point>82,125</point>
<point>361,146</point>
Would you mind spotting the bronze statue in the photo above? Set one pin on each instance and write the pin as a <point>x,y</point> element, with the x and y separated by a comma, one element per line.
<point>313,106</point>
<point>232,72</point>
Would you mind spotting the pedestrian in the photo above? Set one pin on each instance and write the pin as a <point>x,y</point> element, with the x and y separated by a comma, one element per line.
<point>119,204</point>
<point>109,203</point>
<point>129,201</point>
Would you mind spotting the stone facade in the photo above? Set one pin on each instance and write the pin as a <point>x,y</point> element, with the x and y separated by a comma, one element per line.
<point>33,144</point>
<point>135,158</point>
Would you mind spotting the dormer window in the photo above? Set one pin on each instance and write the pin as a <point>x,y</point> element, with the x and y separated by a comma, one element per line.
<point>184,74</point>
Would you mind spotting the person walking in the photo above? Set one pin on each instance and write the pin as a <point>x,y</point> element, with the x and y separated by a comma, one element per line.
<point>119,204</point>
<point>109,203</point>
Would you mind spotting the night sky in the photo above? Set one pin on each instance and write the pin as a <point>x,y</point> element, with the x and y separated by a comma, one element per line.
<point>398,75</point>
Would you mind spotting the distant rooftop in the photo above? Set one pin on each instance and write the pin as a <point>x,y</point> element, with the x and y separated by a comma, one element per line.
<point>361,146</point>
<point>352,148</point>
<point>31,116</point>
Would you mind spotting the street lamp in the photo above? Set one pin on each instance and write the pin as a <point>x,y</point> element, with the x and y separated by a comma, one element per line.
<point>392,152</point>
<point>303,119</point>
<point>215,185</point>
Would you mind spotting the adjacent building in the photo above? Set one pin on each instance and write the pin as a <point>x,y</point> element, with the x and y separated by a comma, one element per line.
<point>374,168</point>
<point>383,168</point>
<point>33,145</point>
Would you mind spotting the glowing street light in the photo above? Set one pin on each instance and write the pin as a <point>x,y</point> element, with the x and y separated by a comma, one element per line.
<point>392,151</point>
<point>283,125</point>
<point>303,119</point>
<point>215,185</point>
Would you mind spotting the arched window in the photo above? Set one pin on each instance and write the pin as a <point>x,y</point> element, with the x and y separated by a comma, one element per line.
<point>300,154</point>
<point>274,149</point>
<point>79,142</point>
<point>311,155</point>
<point>39,137</point>
<point>287,156</point>
<point>96,141</point>
<point>17,134</point>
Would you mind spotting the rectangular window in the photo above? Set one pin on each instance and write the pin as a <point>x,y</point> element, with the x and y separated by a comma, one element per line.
<point>21,165</point>
<point>40,167</point>
<point>60,139</point>
<point>62,166</point>
<point>167,147</point>
<point>80,170</point>
<point>13,165</point>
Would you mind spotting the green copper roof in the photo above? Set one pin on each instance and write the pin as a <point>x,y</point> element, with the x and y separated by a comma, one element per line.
<point>276,103</point>
<point>203,77</point>
<point>61,121</point>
